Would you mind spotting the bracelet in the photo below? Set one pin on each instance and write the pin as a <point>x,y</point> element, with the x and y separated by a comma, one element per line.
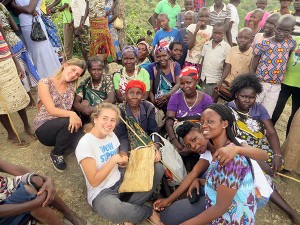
<point>279,155</point>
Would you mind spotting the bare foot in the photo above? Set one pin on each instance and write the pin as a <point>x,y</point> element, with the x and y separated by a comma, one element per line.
<point>154,219</point>
<point>75,219</point>
<point>29,131</point>
<point>13,139</point>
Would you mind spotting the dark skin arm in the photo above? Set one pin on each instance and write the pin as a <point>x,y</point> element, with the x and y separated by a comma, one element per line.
<point>254,63</point>
<point>119,96</point>
<point>164,99</point>
<point>114,10</point>
<point>151,94</point>
<point>226,24</point>
<point>224,199</point>
<point>28,9</point>
<point>246,24</point>
<point>198,169</point>
<point>12,24</point>
<point>86,13</point>
<point>228,33</point>
<point>47,187</point>
<point>226,71</point>
<point>191,39</point>
<point>153,20</point>
<point>273,139</point>
<point>52,5</point>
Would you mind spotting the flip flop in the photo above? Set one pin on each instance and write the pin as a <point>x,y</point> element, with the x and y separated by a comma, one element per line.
<point>18,144</point>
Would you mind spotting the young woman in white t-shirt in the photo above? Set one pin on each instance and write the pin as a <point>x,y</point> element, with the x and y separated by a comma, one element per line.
<point>99,156</point>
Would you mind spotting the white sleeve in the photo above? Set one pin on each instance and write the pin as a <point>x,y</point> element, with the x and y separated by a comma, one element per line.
<point>84,149</point>
<point>207,156</point>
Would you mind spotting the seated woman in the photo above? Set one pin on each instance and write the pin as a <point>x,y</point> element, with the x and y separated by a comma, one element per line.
<point>164,78</point>
<point>254,125</point>
<point>174,213</point>
<point>130,71</point>
<point>93,90</point>
<point>234,182</point>
<point>99,156</point>
<point>176,51</point>
<point>140,115</point>
<point>143,55</point>
<point>186,105</point>
<point>55,123</point>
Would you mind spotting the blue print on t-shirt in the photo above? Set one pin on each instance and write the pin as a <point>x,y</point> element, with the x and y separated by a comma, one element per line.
<point>108,151</point>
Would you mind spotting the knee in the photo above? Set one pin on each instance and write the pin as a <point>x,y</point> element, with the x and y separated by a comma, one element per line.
<point>30,189</point>
<point>159,170</point>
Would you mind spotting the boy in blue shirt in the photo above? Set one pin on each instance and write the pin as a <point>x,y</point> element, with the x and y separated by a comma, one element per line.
<point>166,34</point>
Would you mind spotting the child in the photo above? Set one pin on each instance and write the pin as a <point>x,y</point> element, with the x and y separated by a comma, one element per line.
<point>166,34</point>
<point>213,55</point>
<point>269,29</point>
<point>188,6</point>
<point>189,18</point>
<point>80,10</point>
<point>270,60</point>
<point>255,18</point>
<point>238,59</point>
<point>197,35</point>
<point>31,195</point>
<point>99,158</point>
<point>260,4</point>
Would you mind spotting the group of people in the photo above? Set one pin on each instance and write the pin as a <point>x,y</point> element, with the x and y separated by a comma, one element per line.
<point>170,86</point>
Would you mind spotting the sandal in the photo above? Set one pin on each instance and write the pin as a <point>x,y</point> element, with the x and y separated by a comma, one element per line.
<point>18,144</point>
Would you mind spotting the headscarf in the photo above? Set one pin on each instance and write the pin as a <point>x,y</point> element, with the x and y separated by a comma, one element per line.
<point>189,71</point>
<point>160,48</point>
<point>136,84</point>
<point>145,43</point>
<point>130,48</point>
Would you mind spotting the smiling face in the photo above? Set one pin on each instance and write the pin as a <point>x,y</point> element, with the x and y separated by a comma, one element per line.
<point>134,96</point>
<point>176,52</point>
<point>245,99</point>
<point>106,122</point>
<point>71,72</point>
<point>256,17</point>
<point>129,60</point>
<point>195,141</point>
<point>162,58</point>
<point>261,4</point>
<point>96,70</point>
<point>212,124</point>
<point>218,34</point>
<point>188,5</point>
<point>270,25</point>
<point>285,3</point>
<point>297,5</point>
<point>188,85</point>
<point>143,52</point>
<point>163,22</point>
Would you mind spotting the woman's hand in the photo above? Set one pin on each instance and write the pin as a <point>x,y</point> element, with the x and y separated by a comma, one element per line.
<point>225,154</point>
<point>74,122</point>
<point>194,185</point>
<point>277,163</point>
<point>161,204</point>
<point>35,13</point>
<point>20,70</point>
<point>157,156</point>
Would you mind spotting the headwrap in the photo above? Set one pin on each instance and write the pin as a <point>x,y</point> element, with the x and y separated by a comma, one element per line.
<point>145,43</point>
<point>160,48</point>
<point>136,84</point>
<point>130,48</point>
<point>189,71</point>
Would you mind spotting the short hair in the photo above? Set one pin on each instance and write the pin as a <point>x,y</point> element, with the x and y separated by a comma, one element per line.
<point>162,15</point>
<point>246,29</point>
<point>203,9</point>
<point>275,15</point>
<point>94,59</point>
<point>172,44</point>
<point>190,12</point>
<point>287,19</point>
<point>245,81</point>
<point>220,24</point>
<point>259,11</point>
<point>140,39</point>
<point>185,128</point>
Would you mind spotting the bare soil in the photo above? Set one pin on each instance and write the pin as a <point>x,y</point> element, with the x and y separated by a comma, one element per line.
<point>71,185</point>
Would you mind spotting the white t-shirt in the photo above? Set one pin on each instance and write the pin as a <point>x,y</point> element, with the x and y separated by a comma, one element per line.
<point>236,20</point>
<point>194,55</point>
<point>101,150</point>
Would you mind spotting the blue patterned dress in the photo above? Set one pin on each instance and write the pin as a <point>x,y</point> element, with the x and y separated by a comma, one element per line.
<point>236,175</point>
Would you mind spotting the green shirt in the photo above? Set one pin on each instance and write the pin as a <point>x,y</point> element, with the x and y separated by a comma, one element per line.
<point>121,79</point>
<point>292,74</point>
<point>164,6</point>
<point>67,15</point>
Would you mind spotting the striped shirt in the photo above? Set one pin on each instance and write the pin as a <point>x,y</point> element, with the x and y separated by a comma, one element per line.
<point>4,50</point>
<point>216,17</point>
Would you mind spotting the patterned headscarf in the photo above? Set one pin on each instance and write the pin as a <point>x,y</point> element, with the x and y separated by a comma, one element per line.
<point>189,71</point>
<point>145,43</point>
<point>130,48</point>
<point>160,48</point>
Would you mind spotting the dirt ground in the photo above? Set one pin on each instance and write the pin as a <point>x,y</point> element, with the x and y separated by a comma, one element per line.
<point>71,186</point>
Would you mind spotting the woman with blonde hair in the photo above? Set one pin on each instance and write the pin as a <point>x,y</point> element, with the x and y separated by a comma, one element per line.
<point>55,123</point>
<point>98,153</point>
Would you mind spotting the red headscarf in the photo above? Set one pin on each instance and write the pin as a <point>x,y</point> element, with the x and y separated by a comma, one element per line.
<point>189,71</point>
<point>136,84</point>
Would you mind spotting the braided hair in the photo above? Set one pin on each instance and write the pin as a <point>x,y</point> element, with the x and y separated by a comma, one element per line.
<point>226,114</point>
